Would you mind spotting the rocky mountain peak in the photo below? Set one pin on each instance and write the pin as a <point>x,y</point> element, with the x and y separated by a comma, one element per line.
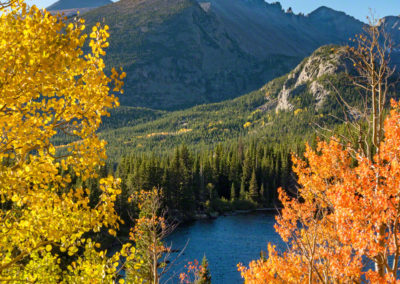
<point>327,60</point>
<point>323,11</point>
<point>276,5</point>
<point>326,15</point>
<point>176,53</point>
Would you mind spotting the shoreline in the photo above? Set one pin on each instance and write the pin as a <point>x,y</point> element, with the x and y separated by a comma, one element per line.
<point>215,215</point>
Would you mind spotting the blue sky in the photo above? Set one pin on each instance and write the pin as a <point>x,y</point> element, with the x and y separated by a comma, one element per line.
<point>356,8</point>
<point>359,9</point>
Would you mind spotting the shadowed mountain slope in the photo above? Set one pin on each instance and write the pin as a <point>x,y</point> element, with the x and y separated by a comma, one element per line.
<point>180,53</point>
<point>262,28</point>
<point>176,55</point>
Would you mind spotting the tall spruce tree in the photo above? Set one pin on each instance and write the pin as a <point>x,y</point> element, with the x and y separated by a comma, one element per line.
<point>253,188</point>
<point>242,194</point>
<point>233,192</point>
<point>262,194</point>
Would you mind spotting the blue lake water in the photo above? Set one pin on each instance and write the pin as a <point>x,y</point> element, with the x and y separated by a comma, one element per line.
<point>225,241</point>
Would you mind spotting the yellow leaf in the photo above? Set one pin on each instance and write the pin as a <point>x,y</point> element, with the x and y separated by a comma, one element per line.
<point>49,248</point>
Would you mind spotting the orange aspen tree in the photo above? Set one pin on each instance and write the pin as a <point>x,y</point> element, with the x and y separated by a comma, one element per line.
<point>334,227</point>
<point>344,225</point>
<point>48,86</point>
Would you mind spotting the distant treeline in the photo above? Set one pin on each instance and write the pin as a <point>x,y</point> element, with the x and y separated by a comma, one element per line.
<point>194,181</point>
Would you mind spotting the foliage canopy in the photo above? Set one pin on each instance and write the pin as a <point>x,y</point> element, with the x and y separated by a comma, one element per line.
<point>49,85</point>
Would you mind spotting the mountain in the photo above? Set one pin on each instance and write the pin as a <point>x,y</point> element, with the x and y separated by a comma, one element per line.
<point>308,77</point>
<point>70,7</point>
<point>391,24</point>
<point>176,55</point>
<point>180,53</point>
<point>282,110</point>
<point>262,29</point>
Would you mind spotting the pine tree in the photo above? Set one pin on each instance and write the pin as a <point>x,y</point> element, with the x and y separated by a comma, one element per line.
<point>212,192</point>
<point>233,192</point>
<point>196,179</point>
<point>186,194</point>
<point>253,188</point>
<point>262,194</point>
<point>242,190</point>
<point>247,167</point>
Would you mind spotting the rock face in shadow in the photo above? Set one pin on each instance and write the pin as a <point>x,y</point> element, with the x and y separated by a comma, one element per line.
<point>177,55</point>
<point>180,53</point>
<point>262,28</point>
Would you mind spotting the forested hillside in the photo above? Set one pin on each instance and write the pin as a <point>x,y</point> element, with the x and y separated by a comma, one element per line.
<point>286,110</point>
<point>238,151</point>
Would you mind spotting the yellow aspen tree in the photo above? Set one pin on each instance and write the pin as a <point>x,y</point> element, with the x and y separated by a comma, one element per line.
<point>49,86</point>
<point>150,230</point>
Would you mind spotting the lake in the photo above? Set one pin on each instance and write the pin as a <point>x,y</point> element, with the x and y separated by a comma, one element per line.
<point>225,241</point>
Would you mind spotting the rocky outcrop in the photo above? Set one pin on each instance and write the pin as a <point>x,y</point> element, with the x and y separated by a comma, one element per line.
<point>327,60</point>
<point>391,25</point>
<point>206,6</point>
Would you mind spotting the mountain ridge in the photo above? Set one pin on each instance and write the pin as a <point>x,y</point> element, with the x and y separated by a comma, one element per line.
<point>181,53</point>
<point>269,29</point>
<point>310,99</point>
<point>176,55</point>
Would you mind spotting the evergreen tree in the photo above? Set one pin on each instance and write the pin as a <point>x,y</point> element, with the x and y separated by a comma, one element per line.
<point>186,193</point>
<point>242,194</point>
<point>189,180</point>
<point>253,188</point>
<point>262,194</point>
<point>212,192</point>
<point>247,167</point>
<point>196,179</point>
<point>233,192</point>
